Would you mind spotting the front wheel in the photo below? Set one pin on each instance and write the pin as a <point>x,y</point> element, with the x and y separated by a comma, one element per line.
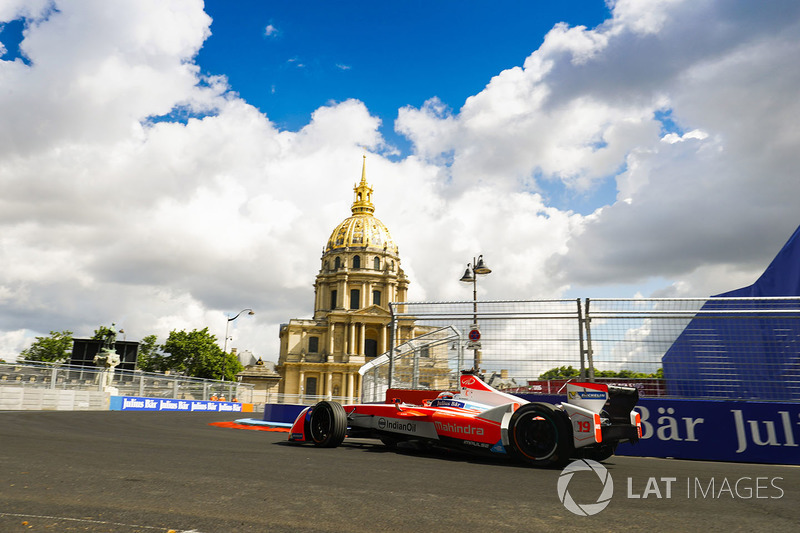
<point>328,424</point>
<point>539,435</point>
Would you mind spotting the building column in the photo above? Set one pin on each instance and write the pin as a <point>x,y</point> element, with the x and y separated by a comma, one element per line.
<point>329,384</point>
<point>384,339</point>
<point>301,387</point>
<point>352,347</point>
<point>331,327</point>
<point>362,340</point>
<point>350,386</point>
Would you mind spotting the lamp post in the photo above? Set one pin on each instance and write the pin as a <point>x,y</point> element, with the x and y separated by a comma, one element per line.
<point>225,349</point>
<point>475,269</point>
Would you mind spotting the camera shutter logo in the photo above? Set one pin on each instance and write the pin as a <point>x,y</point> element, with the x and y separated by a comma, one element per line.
<point>586,509</point>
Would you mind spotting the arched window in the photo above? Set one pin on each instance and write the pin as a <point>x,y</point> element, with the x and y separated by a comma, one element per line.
<point>337,263</point>
<point>357,261</point>
<point>376,263</point>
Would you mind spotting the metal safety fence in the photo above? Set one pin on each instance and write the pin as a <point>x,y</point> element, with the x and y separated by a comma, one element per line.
<point>123,382</point>
<point>734,348</point>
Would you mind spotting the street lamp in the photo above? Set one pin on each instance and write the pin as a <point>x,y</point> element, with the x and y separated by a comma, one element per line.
<point>475,269</point>
<point>225,349</point>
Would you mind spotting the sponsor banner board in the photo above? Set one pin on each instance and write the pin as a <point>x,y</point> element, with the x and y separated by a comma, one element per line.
<point>753,432</point>
<point>135,403</point>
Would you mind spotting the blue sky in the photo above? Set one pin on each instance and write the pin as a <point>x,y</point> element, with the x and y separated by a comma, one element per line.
<point>385,54</point>
<point>166,162</point>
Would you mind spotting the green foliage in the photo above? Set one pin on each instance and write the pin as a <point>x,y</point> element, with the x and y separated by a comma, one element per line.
<point>560,372</point>
<point>51,349</point>
<point>149,358</point>
<point>566,372</point>
<point>101,333</point>
<point>197,354</point>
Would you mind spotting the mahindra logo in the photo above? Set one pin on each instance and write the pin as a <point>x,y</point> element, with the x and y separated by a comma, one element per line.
<point>468,381</point>
<point>455,428</point>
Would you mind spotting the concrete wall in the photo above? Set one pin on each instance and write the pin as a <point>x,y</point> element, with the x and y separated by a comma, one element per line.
<point>18,398</point>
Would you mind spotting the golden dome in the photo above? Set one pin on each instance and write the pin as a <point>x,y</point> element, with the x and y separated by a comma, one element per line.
<point>362,230</point>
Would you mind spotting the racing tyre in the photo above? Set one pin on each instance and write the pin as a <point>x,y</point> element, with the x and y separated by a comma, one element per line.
<point>328,424</point>
<point>539,435</point>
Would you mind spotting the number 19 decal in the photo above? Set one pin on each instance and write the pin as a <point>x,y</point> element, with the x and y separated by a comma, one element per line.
<point>584,426</point>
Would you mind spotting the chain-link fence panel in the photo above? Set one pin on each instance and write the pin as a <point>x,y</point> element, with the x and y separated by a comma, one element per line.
<point>735,348</point>
<point>511,342</point>
<point>127,383</point>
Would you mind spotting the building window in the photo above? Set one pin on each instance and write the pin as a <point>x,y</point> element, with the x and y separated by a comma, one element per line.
<point>311,387</point>
<point>355,298</point>
<point>376,297</point>
<point>313,344</point>
<point>333,299</point>
<point>425,352</point>
<point>357,261</point>
<point>370,347</point>
<point>337,263</point>
<point>376,264</point>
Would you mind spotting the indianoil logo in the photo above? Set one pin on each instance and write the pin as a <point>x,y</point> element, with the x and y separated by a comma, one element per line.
<point>585,509</point>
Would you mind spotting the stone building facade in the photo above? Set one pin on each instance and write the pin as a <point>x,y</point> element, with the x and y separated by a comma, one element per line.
<point>360,274</point>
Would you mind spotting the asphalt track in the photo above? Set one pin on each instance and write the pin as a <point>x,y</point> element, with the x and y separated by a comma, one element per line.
<point>127,472</point>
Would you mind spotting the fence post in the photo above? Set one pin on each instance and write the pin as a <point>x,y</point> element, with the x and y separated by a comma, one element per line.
<point>580,341</point>
<point>589,356</point>
<point>53,376</point>
<point>415,370</point>
<point>392,337</point>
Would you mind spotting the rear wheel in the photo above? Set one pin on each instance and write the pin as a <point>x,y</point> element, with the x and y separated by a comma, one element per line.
<point>327,425</point>
<point>539,435</point>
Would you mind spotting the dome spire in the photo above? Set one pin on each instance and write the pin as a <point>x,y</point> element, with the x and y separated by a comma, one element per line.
<point>362,194</point>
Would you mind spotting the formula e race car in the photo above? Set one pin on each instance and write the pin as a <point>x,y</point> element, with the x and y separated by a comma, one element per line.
<point>482,420</point>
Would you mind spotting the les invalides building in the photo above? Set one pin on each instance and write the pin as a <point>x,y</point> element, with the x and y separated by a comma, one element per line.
<point>359,275</point>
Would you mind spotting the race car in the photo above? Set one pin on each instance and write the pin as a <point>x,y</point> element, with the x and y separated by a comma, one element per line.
<point>482,420</point>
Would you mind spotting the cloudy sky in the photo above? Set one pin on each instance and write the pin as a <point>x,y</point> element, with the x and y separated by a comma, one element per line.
<point>164,164</point>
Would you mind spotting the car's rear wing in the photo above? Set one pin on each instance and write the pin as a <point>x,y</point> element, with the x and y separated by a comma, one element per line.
<point>601,413</point>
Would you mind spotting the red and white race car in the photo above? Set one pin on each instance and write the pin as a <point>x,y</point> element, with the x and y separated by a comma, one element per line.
<point>482,420</point>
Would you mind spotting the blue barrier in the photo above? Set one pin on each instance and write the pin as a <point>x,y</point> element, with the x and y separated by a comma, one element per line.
<point>135,403</point>
<point>282,412</point>
<point>718,430</point>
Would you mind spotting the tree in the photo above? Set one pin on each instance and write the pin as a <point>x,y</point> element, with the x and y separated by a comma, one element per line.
<point>566,372</point>
<point>56,347</point>
<point>149,358</point>
<point>102,332</point>
<point>197,354</point>
<point>561,372</point>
